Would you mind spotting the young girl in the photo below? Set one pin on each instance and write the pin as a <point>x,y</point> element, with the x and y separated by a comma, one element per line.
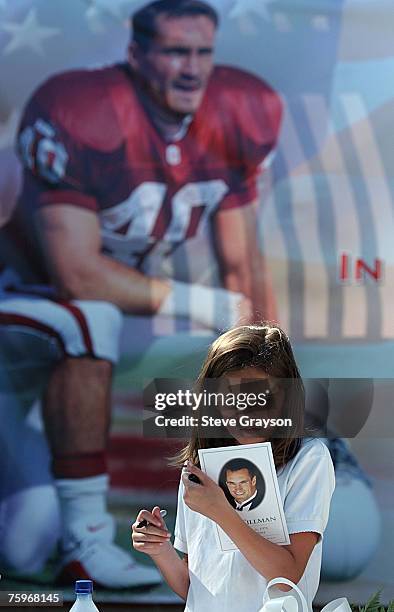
<point>206,578</point>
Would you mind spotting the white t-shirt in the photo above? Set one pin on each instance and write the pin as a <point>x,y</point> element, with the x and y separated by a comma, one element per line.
<point>227,581</point>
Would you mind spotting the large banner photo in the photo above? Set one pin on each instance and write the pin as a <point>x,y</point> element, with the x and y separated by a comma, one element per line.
<point>170,171</point>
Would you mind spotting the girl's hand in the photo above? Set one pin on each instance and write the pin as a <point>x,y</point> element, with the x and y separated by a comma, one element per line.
<point>206,498</point>
<point>153,539</point>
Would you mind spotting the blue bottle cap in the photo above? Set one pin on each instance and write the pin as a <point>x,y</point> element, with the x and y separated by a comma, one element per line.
<point>84,586</point>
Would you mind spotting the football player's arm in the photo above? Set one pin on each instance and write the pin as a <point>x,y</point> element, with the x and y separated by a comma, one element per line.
<point>243,267</point>
<point>71,240</point>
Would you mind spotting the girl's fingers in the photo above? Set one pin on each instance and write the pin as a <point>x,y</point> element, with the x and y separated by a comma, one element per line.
<point>156,512</point>
<point>149,538</point>
<point>193,469</point>
<point>145,515</point>
<point>157,515</point>
<point>188,483</point>
<point>147,547</point>
<point>152,530</point>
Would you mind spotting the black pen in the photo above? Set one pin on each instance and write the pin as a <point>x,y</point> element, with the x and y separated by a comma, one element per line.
<point>144,522</point>
<point>194,478</point>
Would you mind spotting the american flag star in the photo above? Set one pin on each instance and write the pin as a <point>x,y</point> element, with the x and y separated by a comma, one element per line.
<point>27,34</point>
<point>245,7</point>
<point>117,9</point>
<point>99,11</point>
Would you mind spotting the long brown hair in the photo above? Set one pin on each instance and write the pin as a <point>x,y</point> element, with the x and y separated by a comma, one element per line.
<point>267,347</point>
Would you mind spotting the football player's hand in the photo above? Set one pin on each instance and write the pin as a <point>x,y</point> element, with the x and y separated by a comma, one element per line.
<point>244,311</point>
<point>224,309</point>
<point>212,307</point>
<point>153,538</point>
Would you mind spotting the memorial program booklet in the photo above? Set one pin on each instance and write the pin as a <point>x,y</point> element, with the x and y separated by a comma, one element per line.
<point>247,475</point>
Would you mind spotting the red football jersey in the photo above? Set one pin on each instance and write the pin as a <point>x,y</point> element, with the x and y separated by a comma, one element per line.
<point>86,139</point>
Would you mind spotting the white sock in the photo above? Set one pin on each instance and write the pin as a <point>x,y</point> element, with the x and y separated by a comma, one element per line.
<point>83,510</point>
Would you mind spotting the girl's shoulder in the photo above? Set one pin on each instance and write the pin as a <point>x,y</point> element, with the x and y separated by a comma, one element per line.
<point>312,445</point>
<point>312,452</point>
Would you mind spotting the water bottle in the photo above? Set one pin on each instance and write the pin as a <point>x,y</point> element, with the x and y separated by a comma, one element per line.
<point>84,601</point>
